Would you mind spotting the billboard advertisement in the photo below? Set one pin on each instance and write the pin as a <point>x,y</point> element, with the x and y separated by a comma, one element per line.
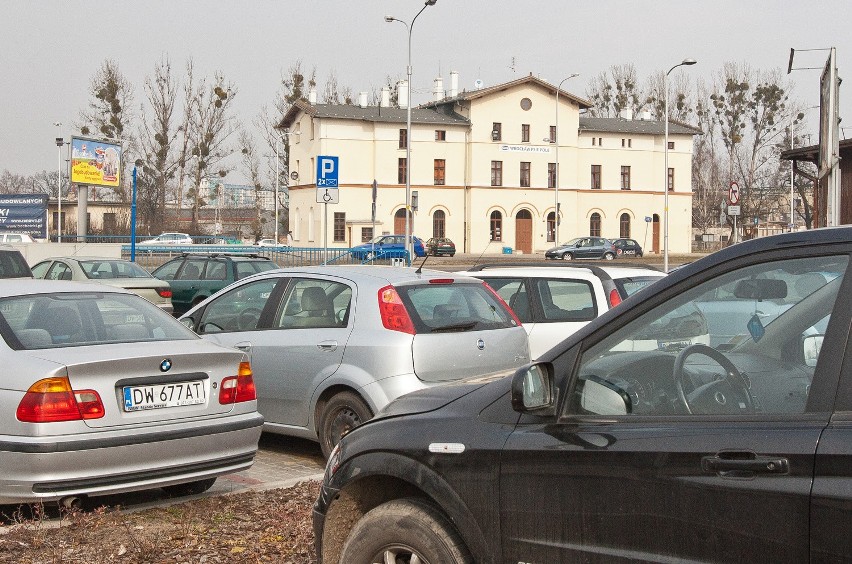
<point>24,213</point>
<point>95,163</point>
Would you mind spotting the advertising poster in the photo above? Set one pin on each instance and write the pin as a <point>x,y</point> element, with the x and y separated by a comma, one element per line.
<point>24,213</point>
<point>95,163</point>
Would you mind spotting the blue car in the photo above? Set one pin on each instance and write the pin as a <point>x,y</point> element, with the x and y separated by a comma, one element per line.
<point>387,246</point>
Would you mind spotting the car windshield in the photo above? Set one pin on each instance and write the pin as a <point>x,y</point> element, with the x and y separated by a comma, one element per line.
<point>572,242</point>
<point>100,269</point>
<point>44,321</point>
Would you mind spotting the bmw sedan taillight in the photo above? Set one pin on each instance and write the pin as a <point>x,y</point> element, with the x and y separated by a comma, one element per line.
<point>52,399</point>
<point>239,388</point>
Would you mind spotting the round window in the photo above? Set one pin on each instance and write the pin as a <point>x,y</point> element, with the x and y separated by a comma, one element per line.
<point>526,104</point>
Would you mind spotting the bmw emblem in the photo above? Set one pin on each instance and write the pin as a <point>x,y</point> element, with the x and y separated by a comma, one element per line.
<point>166,365</point>
<point>480,344</point>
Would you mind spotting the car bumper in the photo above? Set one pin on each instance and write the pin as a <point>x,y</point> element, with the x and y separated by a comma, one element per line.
<point>92,464</point>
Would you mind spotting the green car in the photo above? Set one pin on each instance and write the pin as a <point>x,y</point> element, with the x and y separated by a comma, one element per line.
<point>196,277</point>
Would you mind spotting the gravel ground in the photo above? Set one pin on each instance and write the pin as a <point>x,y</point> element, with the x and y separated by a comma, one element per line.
<point>256,526</point>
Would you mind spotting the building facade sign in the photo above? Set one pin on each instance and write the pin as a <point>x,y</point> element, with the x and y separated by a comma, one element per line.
<point>524,149</point>
<point>23,213</point>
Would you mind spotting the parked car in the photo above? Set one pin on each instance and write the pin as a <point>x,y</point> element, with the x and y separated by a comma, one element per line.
<point>112,271</point>
<point>195,277</point>
<point>595,453</point>
<point>553,300</point>
<point>387,246</point>
<point>16,238</point>
<point>438,246</point>
<point>627,247</point>
<point>332,345</point>
<point>12,263</point>
<point>105,393</point>
<point>167,239</point>
<point>266,243</point>
<point>583,248</point>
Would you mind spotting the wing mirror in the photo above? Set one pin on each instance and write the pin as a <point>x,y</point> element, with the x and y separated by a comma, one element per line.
<point>532,390</point>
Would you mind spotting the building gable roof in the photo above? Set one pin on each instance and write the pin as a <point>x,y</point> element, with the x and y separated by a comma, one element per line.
<point>635,126</point>
<point>466,95</point>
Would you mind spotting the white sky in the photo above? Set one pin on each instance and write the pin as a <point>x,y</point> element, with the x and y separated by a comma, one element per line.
<point>50,49</point>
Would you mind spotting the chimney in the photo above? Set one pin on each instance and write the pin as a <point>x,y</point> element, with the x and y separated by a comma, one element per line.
<point>362,99</point>
<point>454,84</point>
<point>385,100</point>
<point>438,89</point>
<point>312,95</point>
<point>646,115</point>
<point>402,94</point>
<point>626,114</point>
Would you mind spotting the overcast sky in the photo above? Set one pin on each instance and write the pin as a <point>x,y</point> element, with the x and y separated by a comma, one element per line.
<point>49,50</point>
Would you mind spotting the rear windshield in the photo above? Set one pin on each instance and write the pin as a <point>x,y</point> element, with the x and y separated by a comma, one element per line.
<point>629,286</point>
<point>100,269</point>
<point>13,265</point>
<point>44,321</point>
<point>445,308</point>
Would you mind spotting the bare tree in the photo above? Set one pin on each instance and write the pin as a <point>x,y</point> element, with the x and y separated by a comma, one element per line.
<point>251,164</point>
<point>681,99</point>
<point>615,90</point>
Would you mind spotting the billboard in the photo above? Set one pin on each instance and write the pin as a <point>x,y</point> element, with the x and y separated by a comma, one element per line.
<point>24,213</point>
<point>95,163</point>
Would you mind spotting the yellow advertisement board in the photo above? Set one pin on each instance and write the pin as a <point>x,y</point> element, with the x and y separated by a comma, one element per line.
<point>95,163</point>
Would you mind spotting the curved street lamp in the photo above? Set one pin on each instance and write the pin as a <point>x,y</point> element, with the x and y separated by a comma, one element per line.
<point>408,218</point>
<point>685,62</point>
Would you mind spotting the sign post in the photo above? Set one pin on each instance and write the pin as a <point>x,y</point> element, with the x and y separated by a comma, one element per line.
<point>328,190</point>
<point>733,200</point>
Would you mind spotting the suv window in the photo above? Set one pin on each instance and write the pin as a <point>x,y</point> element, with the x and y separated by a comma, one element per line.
<point>216,270</point>
<point>454,307</point>
<point>567,300</point>
<point>13,265</point>
<point>192,269</point>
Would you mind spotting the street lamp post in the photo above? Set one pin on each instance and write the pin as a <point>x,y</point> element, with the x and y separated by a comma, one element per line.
<point>685,62</point>
<point>410,28</point>
<point>277,182</point>
<point>556,179</point>
<point>60,141</point>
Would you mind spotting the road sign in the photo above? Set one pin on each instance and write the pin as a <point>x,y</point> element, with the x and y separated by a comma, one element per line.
<point>733,210</point>
<point>734,194</point>
<point>328,190</point>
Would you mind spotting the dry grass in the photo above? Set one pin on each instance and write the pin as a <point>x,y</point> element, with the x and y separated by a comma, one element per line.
<point>257,526</point>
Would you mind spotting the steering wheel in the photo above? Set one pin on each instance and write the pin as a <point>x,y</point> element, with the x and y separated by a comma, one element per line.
<point>714,396</point>
<point>248,319</point>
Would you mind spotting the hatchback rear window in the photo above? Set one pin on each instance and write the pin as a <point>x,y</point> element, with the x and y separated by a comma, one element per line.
<point>444,308</point>
<point>44,321</point>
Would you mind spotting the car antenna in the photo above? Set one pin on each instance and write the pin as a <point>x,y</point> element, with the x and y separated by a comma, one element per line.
<point>482,253</point>
<point>420,268</point>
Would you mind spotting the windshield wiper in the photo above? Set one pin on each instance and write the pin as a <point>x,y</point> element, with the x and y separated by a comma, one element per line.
<point>455,327</point>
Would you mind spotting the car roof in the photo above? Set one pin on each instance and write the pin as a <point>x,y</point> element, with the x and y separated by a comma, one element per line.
<point>552,269</point>
<point>84,258</point>
<point>376,273</point>
<point>234,256</point>
<point>29,286</point>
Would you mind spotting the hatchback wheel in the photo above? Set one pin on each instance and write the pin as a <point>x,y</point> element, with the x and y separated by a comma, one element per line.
<point>609,256</point>
<point>342,413</point>
<point>568,256</point>
<point>404,530</point>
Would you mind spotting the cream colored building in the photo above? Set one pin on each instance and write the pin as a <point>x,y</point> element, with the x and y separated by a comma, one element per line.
<point>483,169</point>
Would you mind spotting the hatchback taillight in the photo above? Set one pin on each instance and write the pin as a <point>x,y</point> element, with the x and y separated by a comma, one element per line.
<point>239,388</point>
<point>52,399</point>
<point>394,315</point>
<point>164,292</point>
<point>614,298</point>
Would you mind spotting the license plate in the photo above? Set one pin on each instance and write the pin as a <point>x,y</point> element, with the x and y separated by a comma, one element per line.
<point>159,396</point>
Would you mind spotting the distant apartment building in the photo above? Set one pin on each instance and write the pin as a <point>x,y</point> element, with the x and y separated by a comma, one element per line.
<point>483,170</point>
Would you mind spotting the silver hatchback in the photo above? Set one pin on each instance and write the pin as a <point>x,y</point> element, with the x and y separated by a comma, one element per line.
<point>332,345</point>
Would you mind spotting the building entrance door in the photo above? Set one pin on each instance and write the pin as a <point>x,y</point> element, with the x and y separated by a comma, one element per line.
<point>399,222</point>
<point>523,232</point>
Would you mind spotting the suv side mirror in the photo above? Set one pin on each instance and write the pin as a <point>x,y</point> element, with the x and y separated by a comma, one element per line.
<point>532,390</point>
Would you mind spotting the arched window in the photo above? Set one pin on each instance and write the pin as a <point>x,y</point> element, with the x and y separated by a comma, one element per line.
<point>399,221</point>
<point>625,226</point>
<point>496,226</point>
<point>595,225</point>
<point>551,227</point>
<point>439,222</point>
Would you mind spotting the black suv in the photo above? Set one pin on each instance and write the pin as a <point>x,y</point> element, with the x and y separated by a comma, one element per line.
<point>196,277</point>
<point>12,263</point>
<point>637,437</point>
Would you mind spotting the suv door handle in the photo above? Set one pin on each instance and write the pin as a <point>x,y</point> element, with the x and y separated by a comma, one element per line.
<point>327,346</point>
<point>725,465</point>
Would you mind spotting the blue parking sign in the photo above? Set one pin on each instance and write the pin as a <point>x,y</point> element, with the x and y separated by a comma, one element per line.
<point>327,179</point>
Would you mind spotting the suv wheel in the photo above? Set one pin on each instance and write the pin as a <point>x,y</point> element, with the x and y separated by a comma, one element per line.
<point>342,413</point>
<point>568,256</point>
<point>404,530</point>
<point>608,256</point>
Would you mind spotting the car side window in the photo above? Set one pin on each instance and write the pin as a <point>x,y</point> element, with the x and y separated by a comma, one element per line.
<point>514,292</point>
<point>244,269</point>
<point>238,309</point>
<point>59,271</point>
<point>566,300</point>
<point>314,303</point>
<point>744,343</point>
<point>191,270</point>
<point>168,270</point>
<point>216,270</point>
<point>40,269</point>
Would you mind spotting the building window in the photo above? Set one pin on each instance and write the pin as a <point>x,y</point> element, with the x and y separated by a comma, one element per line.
<point>496,131</point>
<point>595,225</point>
<point>525,133</point>
<point>594,141</point>
<point>526,104</point>
<point>623,142</point>
<point>403,138</point>
<point>339,227</point>
<point>600,141</point>
<point>553,134</point>
<point>551,227</point>
<point>402,171</point>
<point>596,177</point>
<point>625,178</point>
<point>439,223</point>
<point>366,234</point>
<point>525,174</point>
<point>496,226</point>
<point>624,222</point>
<point>496,173</point>
<point>551,175</point>
<point>440,135</point>
<point>671,180</point>
<point>671,145</point>
<point>440,166</point>
<point>630,143</point>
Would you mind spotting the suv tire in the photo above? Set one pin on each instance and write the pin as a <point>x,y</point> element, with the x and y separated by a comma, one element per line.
<point>340,414</point>
<point>397,530</point>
